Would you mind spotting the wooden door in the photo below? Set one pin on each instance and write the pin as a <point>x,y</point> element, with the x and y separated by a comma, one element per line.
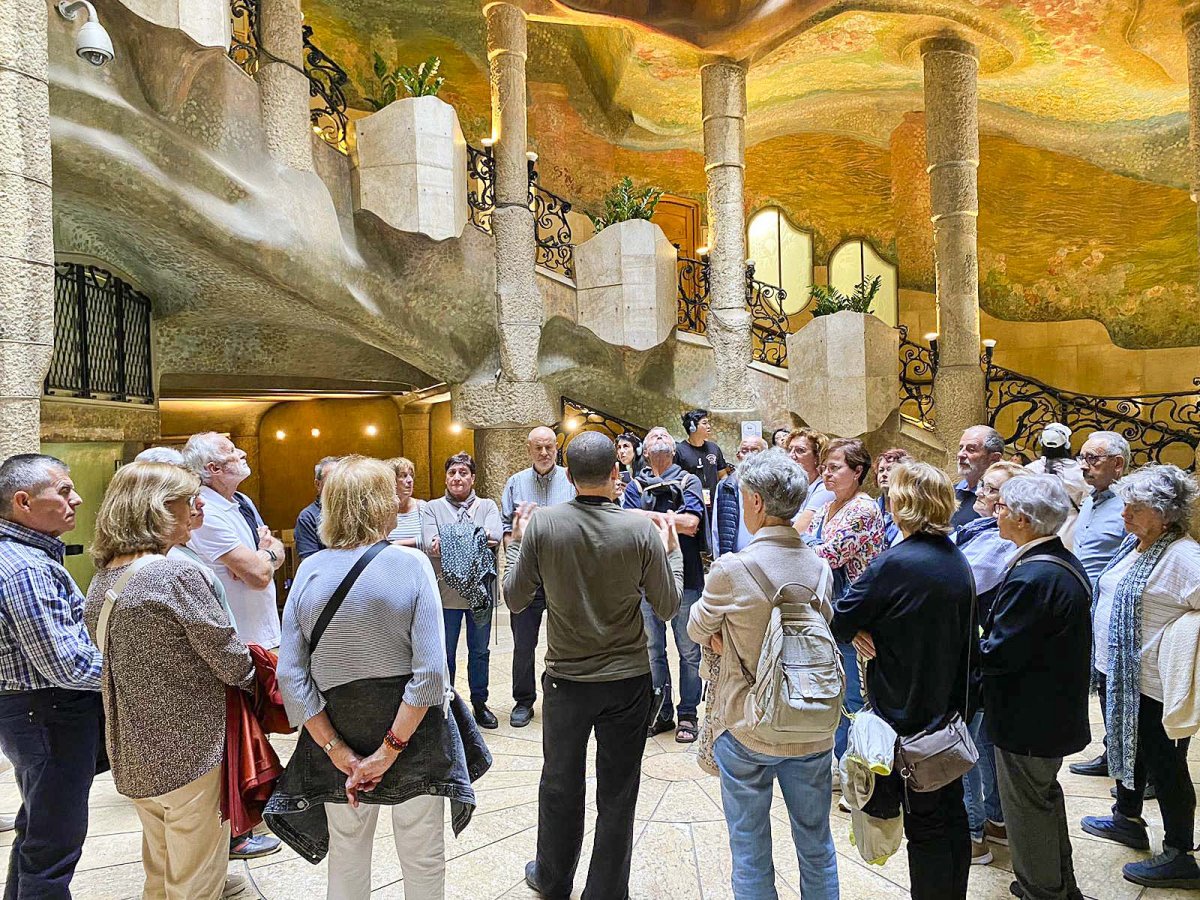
<point>679,218</point>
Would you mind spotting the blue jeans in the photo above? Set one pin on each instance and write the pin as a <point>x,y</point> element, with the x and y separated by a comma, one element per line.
<point>478,654</point>
<point>746,785</point>
<point>689,657</point>
<point>981,794</point>
<point>854,697</point>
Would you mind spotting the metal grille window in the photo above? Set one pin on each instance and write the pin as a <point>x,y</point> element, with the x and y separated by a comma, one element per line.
<point>101,337</point>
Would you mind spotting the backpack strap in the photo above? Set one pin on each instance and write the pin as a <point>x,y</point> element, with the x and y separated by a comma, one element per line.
<point>339,595</point>
<point>113,594</point>
<point>1062,564</point>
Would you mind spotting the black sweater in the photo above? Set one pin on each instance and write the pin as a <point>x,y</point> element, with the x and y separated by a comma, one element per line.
<point>915,601</point>
<point>1036,657</point>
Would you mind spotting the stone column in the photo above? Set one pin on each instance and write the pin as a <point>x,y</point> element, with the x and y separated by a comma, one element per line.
<point>723,99</point>
<point>499,452</point>
<point>26,228</point>
<point>952,150</point>
<point>414,425</point>
<point>282,84</point>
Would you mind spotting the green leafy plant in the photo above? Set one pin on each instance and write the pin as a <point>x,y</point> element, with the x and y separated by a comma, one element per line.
<point>830,300</point>
<point>623,203</point>
<point>423,81</point>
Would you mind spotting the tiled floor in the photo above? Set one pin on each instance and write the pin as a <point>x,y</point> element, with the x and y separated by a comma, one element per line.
<point>681,848</point>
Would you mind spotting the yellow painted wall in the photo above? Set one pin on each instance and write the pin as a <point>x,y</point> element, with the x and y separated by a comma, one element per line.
<point>92,468</point>
<point>443,444</point>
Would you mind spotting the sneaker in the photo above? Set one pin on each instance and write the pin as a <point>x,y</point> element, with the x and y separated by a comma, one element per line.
<point>484,717</point>
<point>844,805</point>
<point>1170,869</point>
<point>7,823</point>
<point>981,853</point>
<point>522,715</point>
<point>235,886</point>
<point>995,833</point>
<point>1148,794</point>
<point>1130,832</point>
<point>1097,767</point>
<point>254,846</point>
<point>660,726</point>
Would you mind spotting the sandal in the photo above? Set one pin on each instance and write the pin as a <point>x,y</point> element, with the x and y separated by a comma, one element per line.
<point>659,726</point>
<point>686,732</point>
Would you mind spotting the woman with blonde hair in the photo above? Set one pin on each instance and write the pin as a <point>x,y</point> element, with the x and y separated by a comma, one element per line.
<point>362,668</point>
<point>407,532</point>
<point>169,652</point>
<point>910,615</point>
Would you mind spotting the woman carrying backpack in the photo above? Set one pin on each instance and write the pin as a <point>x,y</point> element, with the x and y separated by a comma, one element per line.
<point>734,617</point>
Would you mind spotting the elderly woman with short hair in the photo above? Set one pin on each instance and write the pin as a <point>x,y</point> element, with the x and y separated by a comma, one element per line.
<point>169,652</point>
<point>910,615</point>
<point>365,681</point>
<point>1035,664</point>
<point>1153,580</point>
<point>407,532</point>
<point>883,467</point>
<point>734,606</point>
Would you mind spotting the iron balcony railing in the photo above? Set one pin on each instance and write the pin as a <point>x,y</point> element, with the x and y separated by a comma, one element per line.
<point>101,337</point>
<point>769,323</point>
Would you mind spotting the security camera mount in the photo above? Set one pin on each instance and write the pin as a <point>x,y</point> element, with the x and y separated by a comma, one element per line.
<point>92,43</point>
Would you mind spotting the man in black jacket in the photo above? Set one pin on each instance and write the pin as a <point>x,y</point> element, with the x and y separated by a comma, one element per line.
<point>1036,655</point>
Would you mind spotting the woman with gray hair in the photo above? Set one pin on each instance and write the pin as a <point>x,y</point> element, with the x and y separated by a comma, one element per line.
<point>1153,580</point>
<point>1035,681</point>
<point>732,617</point>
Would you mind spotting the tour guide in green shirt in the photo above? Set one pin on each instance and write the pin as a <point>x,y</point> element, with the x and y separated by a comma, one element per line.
<point>594,561</point>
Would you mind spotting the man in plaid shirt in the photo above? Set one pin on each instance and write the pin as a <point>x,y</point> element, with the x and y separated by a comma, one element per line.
<point>51,716</point>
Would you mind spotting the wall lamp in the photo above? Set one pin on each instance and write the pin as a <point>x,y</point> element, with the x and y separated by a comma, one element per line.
<point>989,347</point>
<point>92,43</point>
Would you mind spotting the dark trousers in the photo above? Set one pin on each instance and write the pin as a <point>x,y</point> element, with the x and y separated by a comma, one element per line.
<point>478,653</point>
<point>53,737</point>
<point>619,711</point>
<point>1164,762</point>
<point>526,626</point>
<point>939,843</point>
<point>1036,816</point>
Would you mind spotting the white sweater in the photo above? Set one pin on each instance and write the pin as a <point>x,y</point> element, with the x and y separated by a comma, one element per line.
<point>1177,665</point>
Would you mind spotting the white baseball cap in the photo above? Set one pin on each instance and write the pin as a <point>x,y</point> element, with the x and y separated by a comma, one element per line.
<point>1056,435</point>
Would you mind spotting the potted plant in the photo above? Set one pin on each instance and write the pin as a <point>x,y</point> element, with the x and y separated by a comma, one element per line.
<point>412,157</point>
<point>843,366</point>
<point>625,273</point>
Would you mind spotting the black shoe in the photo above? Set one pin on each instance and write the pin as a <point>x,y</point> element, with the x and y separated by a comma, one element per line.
<point>1097,767</point>
<point>484,717</point>
<point>1016,890</point>
<point>531,876</point>
<point>522,715</point>
<point>1117,828</point>
<point>1148,794</point>
<point>660,726</point>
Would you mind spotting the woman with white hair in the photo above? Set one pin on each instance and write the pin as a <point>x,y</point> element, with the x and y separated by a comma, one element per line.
<point>1056,459</point>
<point>736,605</point>
<point>1035,681</point>
<point>1153,580</point>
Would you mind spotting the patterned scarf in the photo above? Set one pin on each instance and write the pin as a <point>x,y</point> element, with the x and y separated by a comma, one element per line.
<point>462,507</point>
<point>1125,654</point>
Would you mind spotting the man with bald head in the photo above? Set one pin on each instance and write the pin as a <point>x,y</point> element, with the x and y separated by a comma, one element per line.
<point>544,483</point>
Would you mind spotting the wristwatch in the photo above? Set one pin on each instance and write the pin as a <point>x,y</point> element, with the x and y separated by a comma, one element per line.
<point>334,742</point>
<point>271,554</point>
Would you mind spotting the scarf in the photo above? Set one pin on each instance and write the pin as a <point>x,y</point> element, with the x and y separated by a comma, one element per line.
<point>462,507</point>
<point>1125,654</point>
<point>971,530</point>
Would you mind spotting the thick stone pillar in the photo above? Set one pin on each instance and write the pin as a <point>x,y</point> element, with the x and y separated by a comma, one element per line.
<point>502,416</point>
<point>723,99</point>
<point>414,426</point>
<point>282,84</point>
<point>952,149</point>
<point>499,452</point>
<point>26,228</point>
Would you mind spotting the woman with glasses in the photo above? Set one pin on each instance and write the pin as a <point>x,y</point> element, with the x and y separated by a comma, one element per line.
<point>169,653</point>
<point>883,468</point>
<point>807,449</point>
<point>1056,460</point>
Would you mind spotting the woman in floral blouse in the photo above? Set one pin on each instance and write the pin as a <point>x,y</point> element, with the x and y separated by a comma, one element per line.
<point>847,533</point>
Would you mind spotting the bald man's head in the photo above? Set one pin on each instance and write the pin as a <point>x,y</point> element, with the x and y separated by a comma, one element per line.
<point>543,449</point>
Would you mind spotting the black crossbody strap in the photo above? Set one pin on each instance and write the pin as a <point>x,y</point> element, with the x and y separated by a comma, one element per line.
<point>335,602</point>
<point>1062,564</point>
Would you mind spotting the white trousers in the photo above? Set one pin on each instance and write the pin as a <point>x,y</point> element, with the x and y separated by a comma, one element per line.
<point>417,827</point>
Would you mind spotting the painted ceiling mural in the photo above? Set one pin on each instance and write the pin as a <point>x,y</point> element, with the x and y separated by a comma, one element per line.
<point>1084,208</point>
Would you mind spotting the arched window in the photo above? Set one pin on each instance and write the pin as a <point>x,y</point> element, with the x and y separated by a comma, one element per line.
<point>782,255</point>
<point>856,260</point>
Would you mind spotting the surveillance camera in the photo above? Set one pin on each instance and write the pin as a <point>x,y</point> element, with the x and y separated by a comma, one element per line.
<point>92,43</point>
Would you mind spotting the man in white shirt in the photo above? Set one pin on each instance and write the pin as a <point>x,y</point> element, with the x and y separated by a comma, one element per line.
<point>233,541</point>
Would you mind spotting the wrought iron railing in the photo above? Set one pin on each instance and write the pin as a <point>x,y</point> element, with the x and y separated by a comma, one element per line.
<point>481,187</point>
<point>551,228</point>
<point>578,418</point>
<point>101,337</point>
<point>692,278</point>
<point>243,42</point>
<point>1160,428</point>
<point>918,366</point>
<point>768,323</point>
<point>326,84</point>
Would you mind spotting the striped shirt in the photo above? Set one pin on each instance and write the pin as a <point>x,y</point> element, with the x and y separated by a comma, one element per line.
<point>527,486</point>
<point>390,624</point>
<point>43,641</point>
<point>408,525</point>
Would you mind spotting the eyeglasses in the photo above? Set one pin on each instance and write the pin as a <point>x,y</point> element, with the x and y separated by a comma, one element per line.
<point>192,501</point>
<point>1000,504</point>
<point>1092,459</point>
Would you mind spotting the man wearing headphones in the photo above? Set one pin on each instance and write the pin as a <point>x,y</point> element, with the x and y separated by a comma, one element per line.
<point>700,456</point>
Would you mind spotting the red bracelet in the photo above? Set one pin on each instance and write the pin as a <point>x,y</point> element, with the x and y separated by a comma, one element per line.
<point>394,742</point>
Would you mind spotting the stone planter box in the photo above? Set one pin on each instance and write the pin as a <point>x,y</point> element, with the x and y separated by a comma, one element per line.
<point>844,373</point>
<point>625,284</point>
<point>412,167</point>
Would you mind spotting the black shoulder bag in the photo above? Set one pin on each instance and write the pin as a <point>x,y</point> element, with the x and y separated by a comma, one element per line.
<point>335,602</point>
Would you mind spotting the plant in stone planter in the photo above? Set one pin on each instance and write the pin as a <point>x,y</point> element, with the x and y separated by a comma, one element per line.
<point>830,300</point>
<point>623,203</point>
<point>423,81</point>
